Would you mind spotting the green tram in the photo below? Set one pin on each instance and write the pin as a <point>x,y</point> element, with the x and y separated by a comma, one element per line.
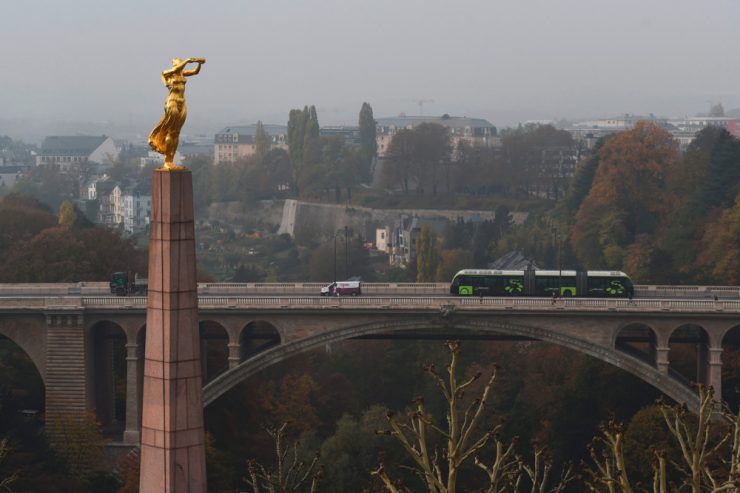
<point>565,283</point>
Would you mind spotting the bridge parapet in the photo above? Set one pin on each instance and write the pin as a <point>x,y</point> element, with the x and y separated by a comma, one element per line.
<point>415,302</point>
<point>382,302</point>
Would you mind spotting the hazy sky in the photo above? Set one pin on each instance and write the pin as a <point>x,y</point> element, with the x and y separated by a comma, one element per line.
<point>504,60</point>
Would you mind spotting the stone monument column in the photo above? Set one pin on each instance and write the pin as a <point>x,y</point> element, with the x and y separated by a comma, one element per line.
<point>172,435</point>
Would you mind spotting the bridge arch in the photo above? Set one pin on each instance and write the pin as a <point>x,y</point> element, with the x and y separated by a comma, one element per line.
<point>214,348</point>
<point>674,389</point>
<point>20,372</point>
<point>689,352</point>
<point>109,376</point>
<point>29,334</point>
<point>638,340</point>
<point>730,371</point>
<point>257,336</point>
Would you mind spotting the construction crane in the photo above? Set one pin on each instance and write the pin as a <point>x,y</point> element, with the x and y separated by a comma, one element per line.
<point>421,102</point>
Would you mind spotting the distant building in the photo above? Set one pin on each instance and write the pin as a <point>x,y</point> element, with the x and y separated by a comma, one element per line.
<point>351,135</point>
<point>132,207</point>
<point>194,149</point>
<point>403,236</point>
<point>103,193</point>
<point>137,208</point>
<point>11,174</point>
<point>556,169</point>
<point>67,152</point>
<point>156,159</point>
<point>234,143</point>
<point>684,130</point>
<point>383,239</point>
<point>475,131</point>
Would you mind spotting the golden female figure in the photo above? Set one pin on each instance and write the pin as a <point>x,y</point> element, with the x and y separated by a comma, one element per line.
<point>166,135</point>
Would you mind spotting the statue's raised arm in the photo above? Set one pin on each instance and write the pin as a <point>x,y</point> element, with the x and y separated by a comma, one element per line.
<point>166,135</point>
<point>199,61</point>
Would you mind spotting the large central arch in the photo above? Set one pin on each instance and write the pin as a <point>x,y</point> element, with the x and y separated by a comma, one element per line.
<point>672,388</point>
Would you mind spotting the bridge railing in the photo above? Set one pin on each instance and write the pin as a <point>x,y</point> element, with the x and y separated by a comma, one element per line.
<point>420,302</point>
<point>378,303</point>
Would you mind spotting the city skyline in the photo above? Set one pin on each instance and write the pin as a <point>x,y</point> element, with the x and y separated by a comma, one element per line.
<point>92,69</point>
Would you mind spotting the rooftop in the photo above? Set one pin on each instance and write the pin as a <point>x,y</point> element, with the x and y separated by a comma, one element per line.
<point>403,121</point>
<point>251,129</point>
<point>77,145</point>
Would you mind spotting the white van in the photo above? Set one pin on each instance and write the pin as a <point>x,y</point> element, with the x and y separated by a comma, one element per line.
<point>342,288</point>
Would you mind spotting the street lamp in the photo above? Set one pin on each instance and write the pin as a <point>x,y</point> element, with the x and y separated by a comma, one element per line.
<point>346,233</point>
<point>346,253</point>
<point>559,240</point>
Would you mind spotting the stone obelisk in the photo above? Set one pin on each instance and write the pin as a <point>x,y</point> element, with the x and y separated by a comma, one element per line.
<point>172,435</point>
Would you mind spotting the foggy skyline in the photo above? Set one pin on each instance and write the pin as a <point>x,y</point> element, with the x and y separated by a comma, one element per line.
<point>98,63</point>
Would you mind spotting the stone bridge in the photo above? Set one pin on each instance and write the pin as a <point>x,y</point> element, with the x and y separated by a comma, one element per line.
<point>81,340</point>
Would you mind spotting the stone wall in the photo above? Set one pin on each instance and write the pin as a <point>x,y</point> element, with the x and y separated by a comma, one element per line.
<point>240,215</point>
<point>311,222</point>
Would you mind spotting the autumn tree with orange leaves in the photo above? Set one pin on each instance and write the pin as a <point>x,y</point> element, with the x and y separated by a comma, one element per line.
<point>628,198</point>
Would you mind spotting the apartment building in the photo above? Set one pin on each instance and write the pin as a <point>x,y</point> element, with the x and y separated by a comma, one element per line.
<point>67,152</point>
<point>475,131</point>
<point>233,143</point>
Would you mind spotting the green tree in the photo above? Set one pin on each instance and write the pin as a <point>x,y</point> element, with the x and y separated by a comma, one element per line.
<point>277,167</point>
<point>721,246</point>
<point>368,139</point>
<point>64,255</point>
<point>723,174</point>
<point>522,151</point>
<point>708,460</point>
<point>248,273</point>
<point>431,155</point>
<point>427,255</point>
<point>419,156</point>
<point>353,258</point>
<point>262,140</point>
<point>353,450</point>
<point>398,167</point>
<point>583,179</point>
<point>79,443</point>
<point>296,133</point>
<point>297,120</point>
<point>304,146</point>
<point>21,218</point>
<point>451,261</point>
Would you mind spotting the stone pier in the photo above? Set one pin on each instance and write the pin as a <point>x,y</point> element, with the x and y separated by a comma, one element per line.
<point>172,436</point>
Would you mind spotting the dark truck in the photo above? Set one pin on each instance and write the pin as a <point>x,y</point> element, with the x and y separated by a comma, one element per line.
<point>122,284</point>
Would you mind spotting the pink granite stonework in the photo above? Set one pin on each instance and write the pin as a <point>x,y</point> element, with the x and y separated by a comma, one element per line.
<point>172,437</point>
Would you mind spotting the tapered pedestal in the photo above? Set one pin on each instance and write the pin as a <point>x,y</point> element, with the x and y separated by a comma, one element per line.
<point>172,437</point>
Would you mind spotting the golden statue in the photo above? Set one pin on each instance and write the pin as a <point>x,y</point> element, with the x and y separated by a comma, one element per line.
<point>165,136</point>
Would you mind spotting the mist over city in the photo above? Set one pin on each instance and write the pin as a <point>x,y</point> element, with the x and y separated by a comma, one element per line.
<point>88,68</point>
<point>369,246</point>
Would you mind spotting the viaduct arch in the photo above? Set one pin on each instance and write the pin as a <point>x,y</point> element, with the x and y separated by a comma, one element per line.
<point>666,384</point>
<point>29,334</point>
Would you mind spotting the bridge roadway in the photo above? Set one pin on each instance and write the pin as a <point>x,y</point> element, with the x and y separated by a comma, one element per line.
<point>67,329</point>
<point>313,288</point>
